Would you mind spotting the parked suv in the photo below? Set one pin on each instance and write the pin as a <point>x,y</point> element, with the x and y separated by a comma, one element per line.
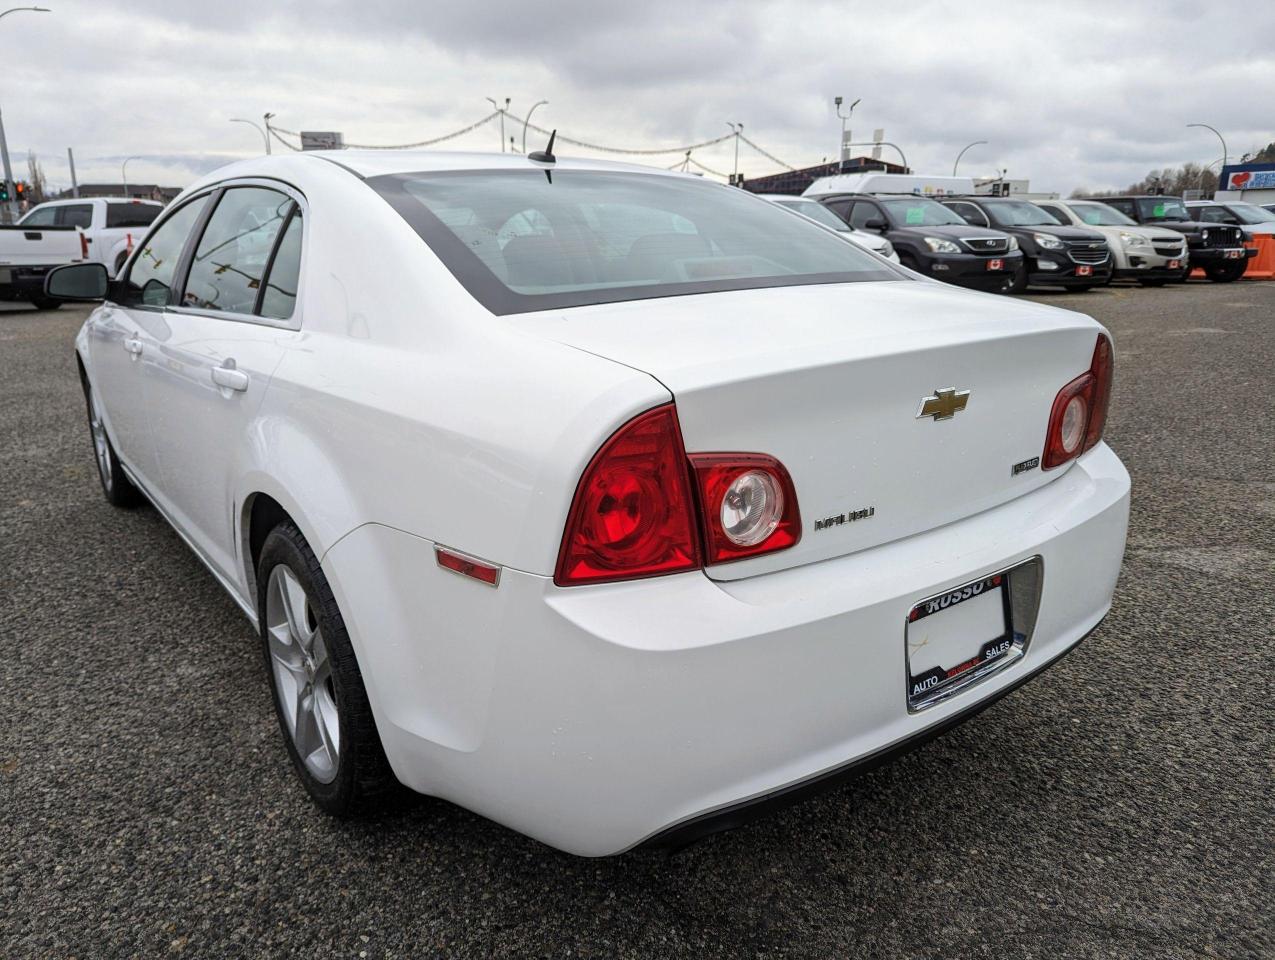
<point>1074,258</point>
<point>1216,248</point>
<point>1153,256</point>
<point>931,239</point>
<point>1249,217</point>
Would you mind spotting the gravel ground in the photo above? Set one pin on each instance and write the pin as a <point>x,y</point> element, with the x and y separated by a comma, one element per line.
<point>1119,806</point>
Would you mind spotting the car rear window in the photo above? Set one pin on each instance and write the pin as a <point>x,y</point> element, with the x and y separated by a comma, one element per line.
<point>131,214</point>
<point>521,240</point>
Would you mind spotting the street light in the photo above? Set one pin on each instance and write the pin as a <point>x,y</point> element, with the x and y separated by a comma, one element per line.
<point>265,117</point>
<point>538,103</point>
<point>124,173</point>
<point>976,143</point>
<point>841,147</point>
<point>256,126</point>
<point>4,146</point>
<point>1219,136</point>
<point>738,128</point>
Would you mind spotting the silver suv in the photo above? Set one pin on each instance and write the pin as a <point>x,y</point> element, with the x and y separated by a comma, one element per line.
<point>1151,255</point>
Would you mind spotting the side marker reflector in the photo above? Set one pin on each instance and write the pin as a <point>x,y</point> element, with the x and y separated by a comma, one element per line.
<point>467,566</point>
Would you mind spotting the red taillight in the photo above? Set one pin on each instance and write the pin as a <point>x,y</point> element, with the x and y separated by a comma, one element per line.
<point>1079,413</point>
<point>748,503</point>
<point>633,514</point>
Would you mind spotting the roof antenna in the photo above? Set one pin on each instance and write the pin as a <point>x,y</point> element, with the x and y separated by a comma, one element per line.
<point>545,155</point>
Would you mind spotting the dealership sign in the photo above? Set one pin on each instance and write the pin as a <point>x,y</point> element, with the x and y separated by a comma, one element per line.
<point>1251,180</point>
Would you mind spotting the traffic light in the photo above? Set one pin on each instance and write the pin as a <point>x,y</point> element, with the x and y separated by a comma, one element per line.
<point>4,192</point>
<point>21,188</point>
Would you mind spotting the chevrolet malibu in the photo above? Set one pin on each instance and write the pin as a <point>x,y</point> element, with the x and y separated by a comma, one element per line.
<point>614,505</point>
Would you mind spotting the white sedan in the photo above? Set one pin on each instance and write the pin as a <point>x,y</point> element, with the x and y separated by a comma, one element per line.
<point>819,213</point>
<point>611,504</point>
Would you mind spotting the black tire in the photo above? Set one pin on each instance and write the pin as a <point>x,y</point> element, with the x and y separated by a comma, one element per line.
<point>362,779</point>
<point>1225,272</point>
<point>118,489</point>
<point>44,303</point>
<point>1019,283</point>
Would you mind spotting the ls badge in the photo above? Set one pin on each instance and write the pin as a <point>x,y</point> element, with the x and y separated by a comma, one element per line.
<point>946,403</point>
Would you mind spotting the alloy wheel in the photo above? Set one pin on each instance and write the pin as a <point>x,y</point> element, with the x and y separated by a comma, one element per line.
<point>302,674</point>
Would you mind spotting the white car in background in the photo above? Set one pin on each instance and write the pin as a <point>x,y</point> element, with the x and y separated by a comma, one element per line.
<point>112,226</point>
<point>609,503</point>
<point>1149,254</point>
<point>817,212</point>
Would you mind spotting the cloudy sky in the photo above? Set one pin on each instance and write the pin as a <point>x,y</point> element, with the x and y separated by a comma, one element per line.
<point>1068,94</point>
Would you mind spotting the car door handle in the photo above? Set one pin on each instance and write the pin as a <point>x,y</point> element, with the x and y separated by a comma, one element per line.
<point>227,376</point>
<point>133,345</point>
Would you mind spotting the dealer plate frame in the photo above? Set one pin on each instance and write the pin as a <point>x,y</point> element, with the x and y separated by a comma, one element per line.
<point>1022,583</point>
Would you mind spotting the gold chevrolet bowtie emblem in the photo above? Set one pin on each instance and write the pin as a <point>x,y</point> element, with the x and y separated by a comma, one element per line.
<point>946,403</point>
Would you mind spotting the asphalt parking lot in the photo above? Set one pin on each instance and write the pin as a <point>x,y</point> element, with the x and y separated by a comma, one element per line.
<point>1122,805</point>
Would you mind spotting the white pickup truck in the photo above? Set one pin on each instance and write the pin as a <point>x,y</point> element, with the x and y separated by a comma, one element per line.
<point>112,225</point>
<point>27,253</point>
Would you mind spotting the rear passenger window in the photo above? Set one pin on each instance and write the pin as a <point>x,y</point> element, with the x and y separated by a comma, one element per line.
<point>76,215</point>
<point>280,296</point>
<point>131,214</point>
<point>150,278</point>
<point>232,255</point>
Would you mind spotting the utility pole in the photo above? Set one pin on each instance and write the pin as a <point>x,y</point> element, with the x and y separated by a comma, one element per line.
<point>75,184</point>
<point>841,147</point>
<point>9,185</point>
<point>266,118</point>
<point>738,128</point>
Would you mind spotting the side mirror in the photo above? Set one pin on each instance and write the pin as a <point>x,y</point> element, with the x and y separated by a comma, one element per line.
<point>74,282</point>
<point>875,223</point>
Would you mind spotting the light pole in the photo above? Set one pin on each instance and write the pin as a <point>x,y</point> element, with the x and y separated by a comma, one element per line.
<point>265,117</point>
<point>502,113</point>
<point>1219,136</point>
<point>883,143</point>
<point>841,147</point>
<point>256,126</point>
<point>124,173</point>
<point>4,146</point>
<point>538,103</point>
<point>738,128</point>
<point>976,143</point>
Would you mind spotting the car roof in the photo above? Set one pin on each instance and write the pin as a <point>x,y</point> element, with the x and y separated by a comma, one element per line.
<point>375,163</point>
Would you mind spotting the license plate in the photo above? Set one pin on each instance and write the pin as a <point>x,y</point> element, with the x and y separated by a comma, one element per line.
<point>6,275</point>
<point>951,637</point>
<point>1084,271</point>
<point>995,264</point>
<point>1234,254</point>
<point>1175,264</point>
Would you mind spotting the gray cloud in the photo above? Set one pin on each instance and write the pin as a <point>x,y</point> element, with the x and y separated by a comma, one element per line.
<point>1069,94</point>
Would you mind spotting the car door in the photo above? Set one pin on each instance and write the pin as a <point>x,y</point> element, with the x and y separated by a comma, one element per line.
<point>122,336</point>
<point>223,339</point>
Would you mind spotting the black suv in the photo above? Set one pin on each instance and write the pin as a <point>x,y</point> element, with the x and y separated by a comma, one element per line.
<point>1218,249</point>
<point>1057,256</point>
<point>932,240</point>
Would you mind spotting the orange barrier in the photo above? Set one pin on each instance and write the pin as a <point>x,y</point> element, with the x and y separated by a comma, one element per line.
<point>1260,267</point>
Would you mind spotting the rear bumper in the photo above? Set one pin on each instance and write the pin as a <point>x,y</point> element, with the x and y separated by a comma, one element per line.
<point>24,282</point>
<point>596,718</point>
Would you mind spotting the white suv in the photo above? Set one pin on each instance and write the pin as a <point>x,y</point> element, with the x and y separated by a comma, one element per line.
<point>1153,256</point>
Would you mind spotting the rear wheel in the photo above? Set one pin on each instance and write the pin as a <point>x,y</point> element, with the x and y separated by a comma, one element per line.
<point>319,696</point>
<point>1225,272</point>
<point>119,490</point>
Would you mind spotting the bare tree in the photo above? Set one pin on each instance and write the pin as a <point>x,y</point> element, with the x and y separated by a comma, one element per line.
<point>37,185</point>
<point>1171,181</point>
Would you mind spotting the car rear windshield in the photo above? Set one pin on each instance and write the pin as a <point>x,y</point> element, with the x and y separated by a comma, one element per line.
<point>131,214</point>
<point>1162,208</point>
<point>524,240</point>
